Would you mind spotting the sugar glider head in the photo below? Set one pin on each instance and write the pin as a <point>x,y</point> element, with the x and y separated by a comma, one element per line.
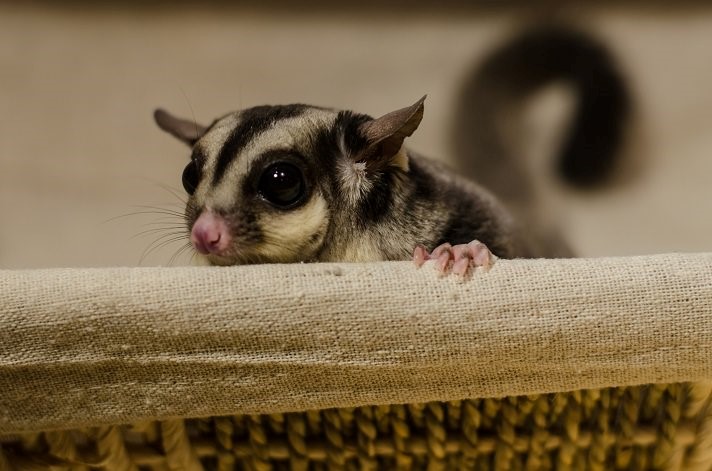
<point>274,183</point>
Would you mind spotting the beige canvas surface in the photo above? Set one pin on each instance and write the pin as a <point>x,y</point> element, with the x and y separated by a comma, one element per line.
<point>94,346</point>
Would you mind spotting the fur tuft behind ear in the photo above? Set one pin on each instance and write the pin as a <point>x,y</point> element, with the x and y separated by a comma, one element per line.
<point>385,135</point>
<point>183,129</point>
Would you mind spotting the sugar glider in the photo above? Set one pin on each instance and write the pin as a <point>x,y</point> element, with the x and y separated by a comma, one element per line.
<point>296,183</point>
<point>301,183</point>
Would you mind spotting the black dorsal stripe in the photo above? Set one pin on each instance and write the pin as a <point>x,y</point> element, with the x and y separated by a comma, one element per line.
<point>252,122</point>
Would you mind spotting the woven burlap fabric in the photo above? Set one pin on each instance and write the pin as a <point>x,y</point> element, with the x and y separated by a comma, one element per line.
<point>101,346</point>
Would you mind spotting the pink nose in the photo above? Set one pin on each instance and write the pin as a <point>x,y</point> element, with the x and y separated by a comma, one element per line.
<point>210,234</point>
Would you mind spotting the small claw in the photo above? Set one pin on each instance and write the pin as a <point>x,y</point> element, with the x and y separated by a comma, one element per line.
<point>440,249</point>
<point>420,255</point>
<point>481,255</point>
<point>460,266</point>
<point>460,251</point>
<point>442,262</point>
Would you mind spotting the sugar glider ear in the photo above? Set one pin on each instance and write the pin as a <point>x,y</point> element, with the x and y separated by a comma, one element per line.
<point>385,135</point>
<point>185,130</point>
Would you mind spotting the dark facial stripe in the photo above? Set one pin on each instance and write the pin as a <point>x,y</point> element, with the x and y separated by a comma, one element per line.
<point>351,122</point>
<point>379,201</point>
<point>325,144</point>
<point>253,121</point>
<point>377,205</point>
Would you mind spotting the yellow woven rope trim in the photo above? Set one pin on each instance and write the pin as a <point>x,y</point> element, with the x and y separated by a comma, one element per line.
<point>648,427</point>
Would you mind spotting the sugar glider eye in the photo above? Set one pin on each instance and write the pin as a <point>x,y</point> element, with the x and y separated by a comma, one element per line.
<point>282,184</point>
<point>191,176</point>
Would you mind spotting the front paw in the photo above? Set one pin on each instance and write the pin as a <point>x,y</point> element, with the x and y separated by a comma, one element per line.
<point>458,258</point>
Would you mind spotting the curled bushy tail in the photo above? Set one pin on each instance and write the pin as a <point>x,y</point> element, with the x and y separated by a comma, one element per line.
<point>531,60</point>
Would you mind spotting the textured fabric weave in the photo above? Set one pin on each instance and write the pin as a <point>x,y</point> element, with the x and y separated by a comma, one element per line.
<point>102,346</point>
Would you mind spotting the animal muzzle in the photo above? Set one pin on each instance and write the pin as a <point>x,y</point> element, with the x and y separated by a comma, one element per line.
<point>210,234</point>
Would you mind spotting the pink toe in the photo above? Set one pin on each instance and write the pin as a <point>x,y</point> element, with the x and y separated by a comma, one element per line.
<point>460,251</point>
<point>442,262</point>
<point>460,266</point>
<point>420,255</point>
<point>440,249</point>
<point>481,255</point>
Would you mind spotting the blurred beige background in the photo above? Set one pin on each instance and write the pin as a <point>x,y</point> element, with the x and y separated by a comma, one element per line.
<point>78,85</point>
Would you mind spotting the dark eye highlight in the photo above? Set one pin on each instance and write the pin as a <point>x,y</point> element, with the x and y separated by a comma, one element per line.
<point>282,184</point>
<point>191,176</point>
